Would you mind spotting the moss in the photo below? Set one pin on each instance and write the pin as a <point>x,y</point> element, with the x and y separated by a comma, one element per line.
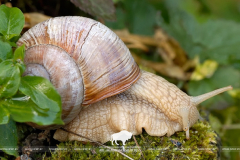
<point>202,145</point>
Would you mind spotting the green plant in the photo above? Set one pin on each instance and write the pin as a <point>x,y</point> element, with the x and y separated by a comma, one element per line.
<point>201,145</point>
<point>22,99</point>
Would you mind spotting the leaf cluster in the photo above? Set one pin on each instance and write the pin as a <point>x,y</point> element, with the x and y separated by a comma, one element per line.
<point>22,99</point>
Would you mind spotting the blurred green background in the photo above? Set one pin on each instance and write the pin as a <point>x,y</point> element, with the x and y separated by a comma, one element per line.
<point>208,32</point>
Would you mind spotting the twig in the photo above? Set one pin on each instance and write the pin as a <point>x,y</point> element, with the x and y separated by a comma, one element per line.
<point>97,143</point>
<point>138,146</point>
<point>231,126</point>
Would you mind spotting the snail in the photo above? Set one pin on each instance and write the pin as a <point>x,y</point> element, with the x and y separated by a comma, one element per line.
<point>103,91</point>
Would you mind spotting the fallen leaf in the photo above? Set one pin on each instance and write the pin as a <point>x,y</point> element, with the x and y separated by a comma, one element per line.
<point>163,68</point>
<point>205,70</point>
<point>31,19</point>
<point>101,8</point>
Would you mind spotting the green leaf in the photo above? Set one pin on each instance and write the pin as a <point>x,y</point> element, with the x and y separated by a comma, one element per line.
<point>11,21</point>
<point>220,77</point>
<point>42,92</point>
<point>101,8</point>
<point>142,24</point>
<point>5,51</point>
<point>140,16</point>
<point>19,58</point>
<point>218,42</point>
<point>4,115</point>
<point>8,138</point>
<point>14,39</point>
<point>23,109</point>
<point>211,40</point>
<point>19,53</point>
<point>2,158</point>
<point>21,66</point>
<point>9,78</point>
<point>206,9</point>
<point>121,18</point>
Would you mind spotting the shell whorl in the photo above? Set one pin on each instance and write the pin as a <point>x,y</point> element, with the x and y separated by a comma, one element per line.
<point>102,64</point>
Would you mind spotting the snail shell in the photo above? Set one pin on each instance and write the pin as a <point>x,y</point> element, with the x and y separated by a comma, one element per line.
<point>82,58</point>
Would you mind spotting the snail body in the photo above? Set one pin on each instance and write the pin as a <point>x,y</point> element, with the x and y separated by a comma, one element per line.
<point>90,66</point>
<point>151,103</point>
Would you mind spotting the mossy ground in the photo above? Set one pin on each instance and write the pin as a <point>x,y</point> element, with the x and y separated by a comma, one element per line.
<point>202,145</point>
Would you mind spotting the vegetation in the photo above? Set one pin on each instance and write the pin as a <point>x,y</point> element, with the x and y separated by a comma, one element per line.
<point>22,99</point>
<point>202,145</point>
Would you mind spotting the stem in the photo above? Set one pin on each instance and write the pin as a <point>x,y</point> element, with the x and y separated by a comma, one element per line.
<point>231,126</point>
<point>138,146</point>
<point>97,143</point>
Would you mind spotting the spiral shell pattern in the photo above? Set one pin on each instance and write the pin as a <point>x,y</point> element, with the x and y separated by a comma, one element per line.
<point>98,64</point>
